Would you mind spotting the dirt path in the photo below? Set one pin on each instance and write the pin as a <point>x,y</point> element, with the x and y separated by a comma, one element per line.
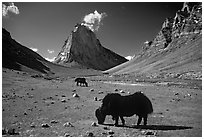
<point>39,107</point>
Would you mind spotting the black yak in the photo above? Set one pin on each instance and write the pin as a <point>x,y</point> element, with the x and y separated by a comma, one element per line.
<point>81,81</point>
<point>124,106</point>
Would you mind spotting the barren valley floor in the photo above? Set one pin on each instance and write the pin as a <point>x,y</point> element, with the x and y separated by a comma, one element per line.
<point>41,107</point>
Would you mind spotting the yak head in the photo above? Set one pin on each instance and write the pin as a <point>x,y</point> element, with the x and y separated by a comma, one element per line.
<point>100,115</point>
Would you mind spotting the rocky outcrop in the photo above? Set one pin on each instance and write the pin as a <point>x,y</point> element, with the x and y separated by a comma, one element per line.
<point>82,48</point>
<point>188,20</point>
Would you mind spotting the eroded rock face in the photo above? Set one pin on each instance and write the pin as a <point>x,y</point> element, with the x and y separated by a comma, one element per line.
<point>82,48</point>
<point>187,21</point>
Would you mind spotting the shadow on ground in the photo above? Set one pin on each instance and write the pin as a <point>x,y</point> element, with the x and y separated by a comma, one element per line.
<point>154,127</point>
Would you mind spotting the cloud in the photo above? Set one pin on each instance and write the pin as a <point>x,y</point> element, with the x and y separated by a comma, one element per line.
<point>146,42</point>
<point>129,57</point>
<point>93,20</point>
<point>50,59</point>
<point>34,49</point>
<point>50,51</point>
<point>9,8</point>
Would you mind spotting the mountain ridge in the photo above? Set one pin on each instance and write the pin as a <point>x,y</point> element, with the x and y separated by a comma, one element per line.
<point>15,56</point>
<point>82,48</point>
<point>18,57</point>
<point>176,48</point>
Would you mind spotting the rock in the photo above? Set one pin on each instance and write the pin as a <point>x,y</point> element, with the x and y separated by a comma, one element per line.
<point>95,98</point>
<point>110,132</point>
<point>75,95</point>
<point>63,100</point>
<point>116,90</point>
<point>121,91</point>
<point>106,128</point>
<point>100,92</point>
<point>53,121</point>
<point>68,124</point>
<point>30,109</point>
<point>31,96</point>
<point>143,131</point>
<point>104,133</point>
<point>91,90</point>
<point>93,124</point>
<point>45,125</point>
<point>32,125</point>
<point>74,90</point>
<point>63,96</point>
<point>110,136</point>
<point>89,134</point>
<point>176,94</point>
<point>50,98</point>
<point>66,135</point>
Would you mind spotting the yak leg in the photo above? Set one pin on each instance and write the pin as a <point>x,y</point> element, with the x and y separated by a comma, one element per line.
<point>77,83</point>
<point>139,120</point>
<point>145,119</point>
<point>116,120</point>
<point>123,121</point>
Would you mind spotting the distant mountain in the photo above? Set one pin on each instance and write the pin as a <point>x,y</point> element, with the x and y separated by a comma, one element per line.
<point>16,56</point>
<point>83,49</point>
<point>175,51</point>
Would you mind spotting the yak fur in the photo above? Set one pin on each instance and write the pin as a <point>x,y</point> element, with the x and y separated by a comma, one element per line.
<point>124,106</point>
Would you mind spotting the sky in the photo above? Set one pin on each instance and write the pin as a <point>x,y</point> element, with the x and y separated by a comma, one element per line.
<point>125,26</point>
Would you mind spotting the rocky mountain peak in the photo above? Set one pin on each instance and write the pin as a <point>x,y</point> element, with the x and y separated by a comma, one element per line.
<point>82,48</point>
<point>176,51</point>
<point>188,20</point>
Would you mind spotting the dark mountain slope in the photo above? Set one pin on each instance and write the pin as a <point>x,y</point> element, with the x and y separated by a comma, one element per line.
<point>15,56</point>
<point>83,49</point>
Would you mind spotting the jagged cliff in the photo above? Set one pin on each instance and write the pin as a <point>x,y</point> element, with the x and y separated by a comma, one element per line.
<point>187,21</point>
<point>176,50</point>
<point>83,49</point>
